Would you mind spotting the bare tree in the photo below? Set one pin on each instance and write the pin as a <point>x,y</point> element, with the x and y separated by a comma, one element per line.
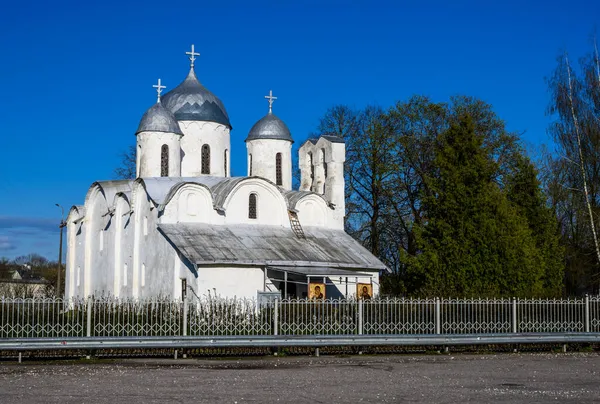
<point>573,172</point>
<point>127,170</point>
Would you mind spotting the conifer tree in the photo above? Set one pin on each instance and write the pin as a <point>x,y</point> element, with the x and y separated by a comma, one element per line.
<point>473,242</point>
<point>523,189</point>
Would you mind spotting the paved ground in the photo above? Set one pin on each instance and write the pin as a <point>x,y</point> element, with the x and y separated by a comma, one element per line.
<point>505,378</point>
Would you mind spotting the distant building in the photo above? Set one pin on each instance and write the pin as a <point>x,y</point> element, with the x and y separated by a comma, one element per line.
<point>23,283</point>
<point>184,223</point>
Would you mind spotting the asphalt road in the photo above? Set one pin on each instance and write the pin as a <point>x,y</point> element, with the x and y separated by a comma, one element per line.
<point>504,378</point>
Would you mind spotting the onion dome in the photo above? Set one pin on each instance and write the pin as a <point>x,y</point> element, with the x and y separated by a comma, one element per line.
<point>270,127</point>
<point>191,101</point>
<point>159,119</point>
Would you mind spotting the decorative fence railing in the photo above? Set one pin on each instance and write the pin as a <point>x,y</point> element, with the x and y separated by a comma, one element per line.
<point>108,317</point>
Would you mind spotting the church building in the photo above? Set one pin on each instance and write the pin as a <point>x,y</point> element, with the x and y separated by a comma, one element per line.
<point>184,225</point>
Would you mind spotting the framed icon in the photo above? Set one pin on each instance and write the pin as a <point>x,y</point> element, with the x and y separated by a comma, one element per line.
<point>364,291</point>
<point>316,291</point>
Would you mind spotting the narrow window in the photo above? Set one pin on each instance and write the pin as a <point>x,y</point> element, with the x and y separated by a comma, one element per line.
<point>278,176</point>
<point>324,163</point>
<point>138,156</point>
<point>164,161</point>
<point>312,166</point>
<point>250,165</point>
<point>225,163</point>
<point>205,159</point>
<point>252,206</point>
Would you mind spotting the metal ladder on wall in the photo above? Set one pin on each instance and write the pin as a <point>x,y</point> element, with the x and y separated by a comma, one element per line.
<point>295,223</point>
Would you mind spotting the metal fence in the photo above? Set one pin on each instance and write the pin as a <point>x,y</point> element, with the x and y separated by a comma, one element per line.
<point>110,317</point>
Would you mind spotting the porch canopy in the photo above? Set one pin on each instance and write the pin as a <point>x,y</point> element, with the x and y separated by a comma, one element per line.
<point>317,272</point>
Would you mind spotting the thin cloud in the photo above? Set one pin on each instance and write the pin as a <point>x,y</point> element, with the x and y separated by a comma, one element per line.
<point>6,244</point>
<point>38,223</point>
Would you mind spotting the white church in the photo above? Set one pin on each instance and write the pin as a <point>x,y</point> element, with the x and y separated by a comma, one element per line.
<point>185,225</point>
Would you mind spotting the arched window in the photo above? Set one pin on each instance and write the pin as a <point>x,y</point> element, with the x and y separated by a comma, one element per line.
<point>164,161</point>
<point>225,162</point>
<point>138,157</point>
<point>252,206</point>
<point>324,163</point>
<point>205,159</point>
<point>250,166</point>
<point>312,166</point>
<point>278,174</point>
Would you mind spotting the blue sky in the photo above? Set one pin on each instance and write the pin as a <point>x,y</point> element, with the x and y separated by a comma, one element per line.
<point>77,76</point>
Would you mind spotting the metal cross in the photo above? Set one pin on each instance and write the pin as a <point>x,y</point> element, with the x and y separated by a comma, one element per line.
<point>159,89</point>
<point>271,99</point>
<point>192,56</point>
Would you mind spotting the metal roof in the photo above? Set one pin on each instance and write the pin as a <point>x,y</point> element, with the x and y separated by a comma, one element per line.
<point>270,127</point>
<point>206,244</point>
<point>191,101</point>
<point>158,119</point>
<point>293,197</point>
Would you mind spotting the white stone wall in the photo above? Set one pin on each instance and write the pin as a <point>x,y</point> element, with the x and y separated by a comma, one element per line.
<point>263,152</point>
<point>198,133</point>
<point>149,150</point>
<point>313,211</point>
<point>270,204</point>
<point>329,182</point>
<point>75,253</point>
<point>240,282</point>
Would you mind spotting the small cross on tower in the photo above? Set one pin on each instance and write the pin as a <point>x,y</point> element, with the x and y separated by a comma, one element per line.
<point>271,99</point>
<point>192,56</point>
<point>159,89</point>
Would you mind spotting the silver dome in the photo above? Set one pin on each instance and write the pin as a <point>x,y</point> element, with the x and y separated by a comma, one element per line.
<point>270,127</point>
<point>158,119</point>
<point>191,101</point>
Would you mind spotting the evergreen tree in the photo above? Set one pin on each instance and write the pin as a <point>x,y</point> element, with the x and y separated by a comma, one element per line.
<point>473,242</point>
<point>523,189</point>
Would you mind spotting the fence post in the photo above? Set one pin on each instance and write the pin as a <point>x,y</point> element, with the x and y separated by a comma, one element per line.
<point>587,313</point>
<point>360,316</point>
<point>89,316</point>
<point>185,315</point>
<point>276,318</point>
<point>438,316</point>
<point>514,315</point>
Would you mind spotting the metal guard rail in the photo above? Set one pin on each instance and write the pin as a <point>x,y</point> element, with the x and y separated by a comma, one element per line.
<point>90,343</point>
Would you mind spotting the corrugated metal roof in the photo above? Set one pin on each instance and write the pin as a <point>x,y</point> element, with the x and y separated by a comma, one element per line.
<point>268,245</point>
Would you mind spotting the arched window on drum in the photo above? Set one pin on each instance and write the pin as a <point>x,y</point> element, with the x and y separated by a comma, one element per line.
<point>205,169</point>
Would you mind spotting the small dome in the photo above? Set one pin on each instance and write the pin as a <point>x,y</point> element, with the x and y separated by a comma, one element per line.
<point>270,127</point>
<point>191,101</point>
<point>158,119</point>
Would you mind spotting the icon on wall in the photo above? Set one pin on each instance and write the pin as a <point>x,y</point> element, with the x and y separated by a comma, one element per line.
<point>364,291</point>
<point>316,291</point>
